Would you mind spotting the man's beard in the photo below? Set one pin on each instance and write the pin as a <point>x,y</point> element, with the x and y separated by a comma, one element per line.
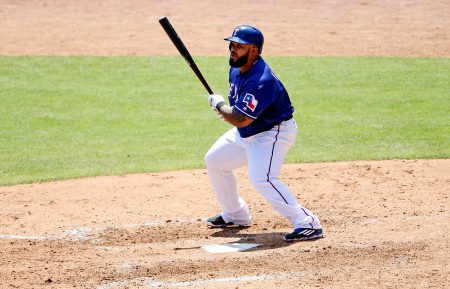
<point>240,61</point>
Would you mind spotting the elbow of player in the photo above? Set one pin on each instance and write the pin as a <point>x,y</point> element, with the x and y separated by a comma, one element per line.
<point>243,124</point>
<point>238,119</point>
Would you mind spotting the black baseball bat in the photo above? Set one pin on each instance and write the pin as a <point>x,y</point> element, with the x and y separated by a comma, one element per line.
<point>173,35</point>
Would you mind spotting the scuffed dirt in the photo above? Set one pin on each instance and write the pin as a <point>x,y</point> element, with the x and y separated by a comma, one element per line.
<point>386,226</point>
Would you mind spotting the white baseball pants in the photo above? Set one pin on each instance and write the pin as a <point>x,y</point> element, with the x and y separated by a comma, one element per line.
<point>264,155</point>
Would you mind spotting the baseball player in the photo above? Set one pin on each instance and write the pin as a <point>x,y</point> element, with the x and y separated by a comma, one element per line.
<point>264,130</point>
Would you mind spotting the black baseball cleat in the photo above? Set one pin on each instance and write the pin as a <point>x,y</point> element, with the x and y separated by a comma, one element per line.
<point>303,234</point>
<point>218,222</point>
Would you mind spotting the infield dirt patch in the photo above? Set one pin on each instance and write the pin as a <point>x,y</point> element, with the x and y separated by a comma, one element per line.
<point>113,27</point>
<point>386,222</point>
<point>386,227</point>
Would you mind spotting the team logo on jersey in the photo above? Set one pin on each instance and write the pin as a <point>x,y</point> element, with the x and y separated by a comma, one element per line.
<point>251,101</point>
<point>232,93</point>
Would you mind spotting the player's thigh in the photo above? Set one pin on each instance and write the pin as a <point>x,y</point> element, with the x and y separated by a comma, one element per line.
<point>267,151</point>
<point>228,152</point>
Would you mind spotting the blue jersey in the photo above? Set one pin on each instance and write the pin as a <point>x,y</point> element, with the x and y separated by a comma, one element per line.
<point>259,95</point>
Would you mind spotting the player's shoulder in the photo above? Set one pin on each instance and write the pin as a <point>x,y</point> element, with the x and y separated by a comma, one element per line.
<point>266,75</point>
<point>264,69</point>
<point>234,71</point>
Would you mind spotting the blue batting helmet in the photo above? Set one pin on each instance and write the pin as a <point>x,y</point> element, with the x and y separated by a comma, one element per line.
<point>246,34</point>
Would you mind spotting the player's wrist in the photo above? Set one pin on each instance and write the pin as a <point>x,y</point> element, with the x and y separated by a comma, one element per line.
<point>219,105</point>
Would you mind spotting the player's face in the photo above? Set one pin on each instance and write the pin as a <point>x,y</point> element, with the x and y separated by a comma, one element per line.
<point>239,54</point>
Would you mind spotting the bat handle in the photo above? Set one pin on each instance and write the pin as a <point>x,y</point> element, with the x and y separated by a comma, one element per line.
<point>201,78</point>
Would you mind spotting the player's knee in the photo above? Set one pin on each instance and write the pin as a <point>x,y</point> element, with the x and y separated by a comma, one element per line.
<point>210,160</point>
<point>258,181</point>
<point>207,160</point>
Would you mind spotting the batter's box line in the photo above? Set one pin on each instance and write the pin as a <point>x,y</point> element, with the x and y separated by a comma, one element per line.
<point>154,283</point>
<point>86,233</point>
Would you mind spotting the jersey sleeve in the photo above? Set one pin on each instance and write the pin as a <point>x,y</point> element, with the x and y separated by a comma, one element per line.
<point>255,98</point>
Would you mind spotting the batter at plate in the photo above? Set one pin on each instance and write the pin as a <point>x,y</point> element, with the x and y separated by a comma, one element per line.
<point>264,130</point>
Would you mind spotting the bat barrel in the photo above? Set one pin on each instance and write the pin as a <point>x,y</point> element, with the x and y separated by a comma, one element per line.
<point>176,40</point>
<point>173,35</point>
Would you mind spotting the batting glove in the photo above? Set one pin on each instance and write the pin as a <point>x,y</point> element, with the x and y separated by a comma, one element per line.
<point>216,101</point>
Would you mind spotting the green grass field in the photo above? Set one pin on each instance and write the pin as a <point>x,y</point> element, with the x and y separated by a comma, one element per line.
<point>66,117</point>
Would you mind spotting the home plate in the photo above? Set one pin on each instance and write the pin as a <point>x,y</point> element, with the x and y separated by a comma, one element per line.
<point>228,248</point>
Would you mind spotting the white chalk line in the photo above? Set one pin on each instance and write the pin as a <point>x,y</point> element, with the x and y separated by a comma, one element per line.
<point>85,233</point>
<point>153,283</point>
<point>114,284</point>
<point>29,238</point>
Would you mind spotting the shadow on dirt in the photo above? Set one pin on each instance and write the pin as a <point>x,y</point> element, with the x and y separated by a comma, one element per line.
<point>265,241</point>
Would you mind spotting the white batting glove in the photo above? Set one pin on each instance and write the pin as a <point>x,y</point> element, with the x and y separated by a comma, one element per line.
<point>214,100</point>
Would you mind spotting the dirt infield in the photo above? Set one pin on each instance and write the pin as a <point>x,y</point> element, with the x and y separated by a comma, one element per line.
<point>386,227</point>
<point>330,27</point>
<point>386,222</point>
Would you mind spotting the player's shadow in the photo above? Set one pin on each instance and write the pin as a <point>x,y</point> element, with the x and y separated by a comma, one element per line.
<point>265,241</point>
